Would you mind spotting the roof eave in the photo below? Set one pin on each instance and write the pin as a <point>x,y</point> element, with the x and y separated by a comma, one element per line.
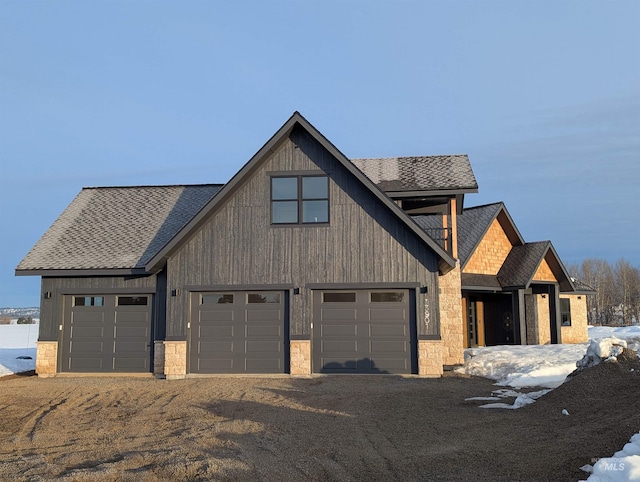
<point>62,273</point>
<point>429,193</point>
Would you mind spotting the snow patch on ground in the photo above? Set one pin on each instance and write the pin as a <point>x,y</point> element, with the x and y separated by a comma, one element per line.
<point>17,341</point>
<point>623,466</point>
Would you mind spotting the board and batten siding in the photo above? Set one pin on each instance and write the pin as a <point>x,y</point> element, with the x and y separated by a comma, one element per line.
<point>364,243</point>
<point>51,309</point>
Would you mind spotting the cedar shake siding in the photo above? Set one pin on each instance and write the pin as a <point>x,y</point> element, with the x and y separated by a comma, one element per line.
<point>363,244</point>
<point>491,253</point>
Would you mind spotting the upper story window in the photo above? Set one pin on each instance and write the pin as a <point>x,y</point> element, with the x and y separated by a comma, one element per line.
<point>299,200</point>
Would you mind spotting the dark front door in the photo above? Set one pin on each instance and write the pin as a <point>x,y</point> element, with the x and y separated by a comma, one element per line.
<point>499,321</point>
<point>107,333</point>
<point>363,331</point>
<point>238,332</point>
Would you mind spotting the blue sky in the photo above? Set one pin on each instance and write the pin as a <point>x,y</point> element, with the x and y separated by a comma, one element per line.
<point>543,96</point>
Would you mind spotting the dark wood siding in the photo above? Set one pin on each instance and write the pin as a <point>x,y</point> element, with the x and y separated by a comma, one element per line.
<point>51,313</point>
<point>364,243</point>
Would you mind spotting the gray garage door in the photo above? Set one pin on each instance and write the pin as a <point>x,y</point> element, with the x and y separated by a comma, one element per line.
<point>238,332</point>
<point>108,333</point>
<point>363,331</point>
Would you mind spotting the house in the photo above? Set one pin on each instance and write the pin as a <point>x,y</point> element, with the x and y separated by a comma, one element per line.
<point>304,262</point>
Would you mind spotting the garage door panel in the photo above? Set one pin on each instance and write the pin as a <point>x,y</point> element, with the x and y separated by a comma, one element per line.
<point>91,348</point>
<point>331,365</point>
<point>79,332</point>
<point>206,347</point>
<point>387,330</point>
<point>274,331</point>
<point>130,348</point>
<point>254,347</point>
<point>388,314</point>
<point>132,317</point>
<point>213,316</point>
<point>87,317</point>
<point>134,364</point>
<point>132,332</point>
<point>389,365</point>
<point>86,364</point>
<point>220,331</point>
<point>215,365</point>
<point>330,314</point>
<point>340,346</point>
<point>346,329</point>
<point>386,346</point>
<point>263,365</point>
<point>263,316</point>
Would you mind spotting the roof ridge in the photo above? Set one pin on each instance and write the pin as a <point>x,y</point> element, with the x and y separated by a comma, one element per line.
<point>405,157</point>
<point>153,186</point>
<point>484,206</point>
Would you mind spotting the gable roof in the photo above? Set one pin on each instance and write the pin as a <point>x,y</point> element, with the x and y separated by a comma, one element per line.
<point>115,228</point>
<point>521,265</point>
<point>435,174</point>
<point>474,223</point>
<point>446,262</point>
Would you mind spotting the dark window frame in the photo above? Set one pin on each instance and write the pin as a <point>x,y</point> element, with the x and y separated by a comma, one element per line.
<point>93,301</point>
<point>299,199</point>
<point>565,311</point>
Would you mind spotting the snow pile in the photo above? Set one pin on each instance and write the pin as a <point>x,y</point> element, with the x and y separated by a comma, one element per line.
<point>607,349</point>
<point>631,334</point>
<point>17,341</point>
<point>521,366</point>
<point>623,466</point>
<point>521,399</point>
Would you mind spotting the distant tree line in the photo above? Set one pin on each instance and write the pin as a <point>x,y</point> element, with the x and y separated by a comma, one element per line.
<point>617,298</point>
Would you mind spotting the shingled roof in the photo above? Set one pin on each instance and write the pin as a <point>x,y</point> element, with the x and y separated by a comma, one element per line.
<point>116,227</point>
<point>473,224</point>
<point>424,173</point>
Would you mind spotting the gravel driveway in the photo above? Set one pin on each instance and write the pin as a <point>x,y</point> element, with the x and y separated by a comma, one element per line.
<point>324,428</point>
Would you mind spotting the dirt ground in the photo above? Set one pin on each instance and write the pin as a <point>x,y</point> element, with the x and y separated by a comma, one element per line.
<point>324,428</point>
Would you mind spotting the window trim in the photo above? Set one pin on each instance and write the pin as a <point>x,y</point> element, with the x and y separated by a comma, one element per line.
<point>567,302</point>
<point>299,200</point>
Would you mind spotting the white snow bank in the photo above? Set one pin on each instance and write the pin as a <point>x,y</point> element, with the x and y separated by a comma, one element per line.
<point>524,366</point>
<point>602,349</point>
<point>623,466</point>
<point>17,341</point>
<point>631,334</point>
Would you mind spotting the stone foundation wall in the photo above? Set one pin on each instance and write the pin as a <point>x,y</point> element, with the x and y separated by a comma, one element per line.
<point>578,331</point>
<point>46,358</point>
<point>175,359</point>
<point>430,358</point>
<point>451,319</point>
<point>300,358</point>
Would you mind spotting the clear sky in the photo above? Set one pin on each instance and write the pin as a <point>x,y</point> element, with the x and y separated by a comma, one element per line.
<point>544,97</point>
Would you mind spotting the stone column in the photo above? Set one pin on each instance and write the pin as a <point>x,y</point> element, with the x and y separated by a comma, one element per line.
<point>430,358</point>
<point>300,358</point>
<point>451,319</point>
<point>175,359</point>
<point>46,358</point>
